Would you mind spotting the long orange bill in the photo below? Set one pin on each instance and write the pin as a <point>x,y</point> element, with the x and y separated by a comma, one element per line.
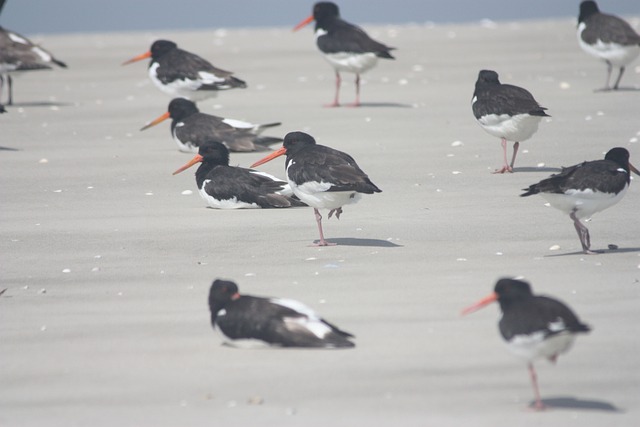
<point>483,302</point>
<point>270,157</point>
<point>304,23</point>
<point>633,169</point>
<point>138,58</point>
<point>162,118</point>
<point>196,159</point>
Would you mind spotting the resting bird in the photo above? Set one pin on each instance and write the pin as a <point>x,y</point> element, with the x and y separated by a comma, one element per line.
<point>276,321</point>
<point>505,111</point>
<point>345,46</point>
<point>184,74</point>
<point>533,326</point>
<point>586,188</point>
<point>607,37</point>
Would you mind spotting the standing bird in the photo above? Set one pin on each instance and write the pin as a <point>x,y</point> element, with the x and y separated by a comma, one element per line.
<point>184,74</point>
<point>18,54</point>
<point>321,177</point>
<point>227,187</point>
<point>607,37</point>
<point>345,46</point>
<point>533,326</point>
<point>276,321</point>
<point>586,188</point>
<point>190,128</point>
<point>506,111</point>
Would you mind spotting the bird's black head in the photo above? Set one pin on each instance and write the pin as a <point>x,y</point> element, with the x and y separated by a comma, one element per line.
<point>214,152</point>
<point>621,157</point>
<point>296,141</point>
<point>488,76</point>
<point>587,8</point>
<point>324,10</point>
<point>179,108</point>
<point>509,290</point>
<point>222,291</point>
<point>160,47</point>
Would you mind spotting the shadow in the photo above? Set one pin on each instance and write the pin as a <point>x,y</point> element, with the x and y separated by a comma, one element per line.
<point>574,403</point>
<point>383,104</point>
<point>597,252</point>
<point>537,169</point>
<point>620,89</point>
<point>8,149</point>
<point>352,241</point>
<point>40,104</point>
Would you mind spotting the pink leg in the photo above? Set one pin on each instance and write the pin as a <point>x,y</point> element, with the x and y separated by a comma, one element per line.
<point>539,406</point>
<point>516,145</point>
<point>336,102</point>
<point>357,103</point>
<point>583,234</point>
<point>506,167</point>
<point>322,242</point>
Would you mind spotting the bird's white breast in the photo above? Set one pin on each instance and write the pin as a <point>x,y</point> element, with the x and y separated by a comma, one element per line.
<point>617,54</point>
<point>513,128</point>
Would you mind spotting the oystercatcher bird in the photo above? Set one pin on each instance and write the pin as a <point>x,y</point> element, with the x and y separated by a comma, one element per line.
<point>190,128</point>
<point>227,187</point>
<point>19,54</point>
<point>184,74</point>
<point>586,188</point>
<point>345,46</point>
<point>276,321</point>
<point>321,177</point>
<point>533,326</point>
<point>506,111</point>
<point>607,37</point>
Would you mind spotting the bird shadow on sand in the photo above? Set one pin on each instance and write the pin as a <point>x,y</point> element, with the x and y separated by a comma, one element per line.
<point>597,252</point>
<point>537,169</point>
<point>576,403</point>
<point>39,104</point>
<point>384,104</point>
<point>352,241</point>
<point>620,89</point>
<point>8,149</point>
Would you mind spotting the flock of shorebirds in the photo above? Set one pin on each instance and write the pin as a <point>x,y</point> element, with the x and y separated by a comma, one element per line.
<point>324,178</point>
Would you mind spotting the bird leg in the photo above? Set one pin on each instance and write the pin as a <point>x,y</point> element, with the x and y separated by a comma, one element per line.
<point>615,86</point>
<point>322,242</point>
<point>539,406</point>
<point>516,145</point>
<point>336,102</point>
<point>606,86</point>
<point>10,90</point>
<point>338,212</point>
<point>506,167</point>
<point>583,234</point>
<point>357,103</point>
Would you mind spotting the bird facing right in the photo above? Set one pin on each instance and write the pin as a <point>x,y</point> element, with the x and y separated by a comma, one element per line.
<point>607,37</point>
<point>275,321</point>
<point>533,326</point>
<point>505,111</point>
<point>586,188</point>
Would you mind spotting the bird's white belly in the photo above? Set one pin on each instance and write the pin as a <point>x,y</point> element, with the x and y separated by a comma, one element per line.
<point>315,194</point>
<point>615,53</point>
<point>184,146</point>
<point>584,202</point>
<point>232,203</point>
<point>534,346</point>
<point>181,88</point>
<point>513,128</point>
<point>352,62</point>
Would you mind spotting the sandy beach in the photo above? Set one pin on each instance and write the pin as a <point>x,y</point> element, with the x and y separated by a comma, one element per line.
<point>107,258</point>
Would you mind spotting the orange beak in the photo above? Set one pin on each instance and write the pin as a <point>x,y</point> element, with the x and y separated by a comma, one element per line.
<point>196,159</point>
<point>483,302</point>
<point>138,58</point>
<point>270,157</point>
<point>304,23</point>
<point>162,118</point>
<point>235,296</point>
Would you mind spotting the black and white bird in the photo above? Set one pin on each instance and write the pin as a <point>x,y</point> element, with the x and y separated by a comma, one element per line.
<point>190,128</point>
<point>345,46</point>
<point>276,321</point>
<point>18,54</point>
<point>184,74</point>
<point>228,187</point>
<point>321,177</point>
<point>505,111</point>
<point>586,188</point>
<point>533,326</point>
<point>607,37</point>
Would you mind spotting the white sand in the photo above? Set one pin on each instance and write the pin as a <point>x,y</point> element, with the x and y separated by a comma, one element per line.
<point>122,338</point>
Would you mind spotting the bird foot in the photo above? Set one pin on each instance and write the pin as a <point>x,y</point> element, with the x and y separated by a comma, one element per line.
<point>338,212</point>
<point>320,243</point>
<point>537,406</point>
<point>503,170</point>
<point>332,105</point>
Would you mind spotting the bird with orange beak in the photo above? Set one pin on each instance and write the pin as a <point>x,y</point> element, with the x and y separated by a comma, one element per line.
<point>345,46</point>
<point>184,74</point>
<point>321,177</point>
<point>533,326</point>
